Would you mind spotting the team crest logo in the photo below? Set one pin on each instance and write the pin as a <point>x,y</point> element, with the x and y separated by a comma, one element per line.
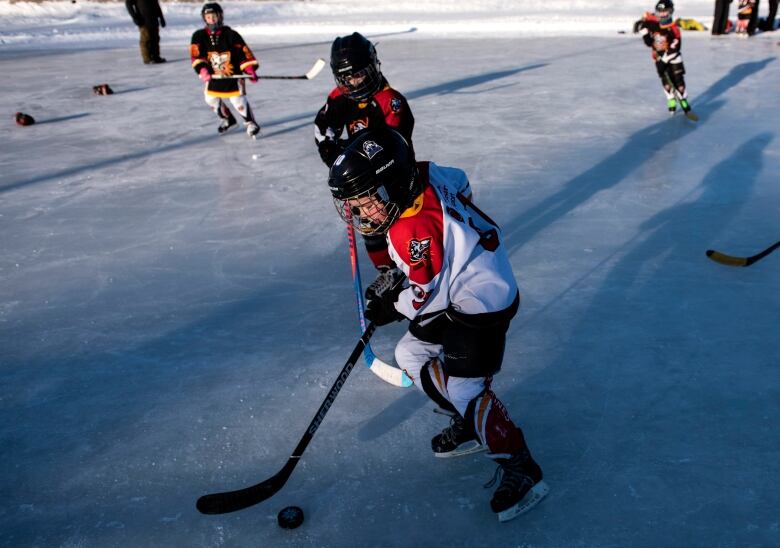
<point>357,125</point>
<point>419,250</point>
<point>395,104</point>
<point>220,63</point>
<point>371,149</point>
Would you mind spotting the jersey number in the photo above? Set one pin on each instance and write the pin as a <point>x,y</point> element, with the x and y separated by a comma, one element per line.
<point>487,229</point>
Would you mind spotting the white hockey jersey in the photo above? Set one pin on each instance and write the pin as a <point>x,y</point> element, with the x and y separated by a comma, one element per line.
<point>450,251</point>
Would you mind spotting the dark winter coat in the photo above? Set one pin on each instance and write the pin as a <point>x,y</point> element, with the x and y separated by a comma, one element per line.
<point>145,13</point>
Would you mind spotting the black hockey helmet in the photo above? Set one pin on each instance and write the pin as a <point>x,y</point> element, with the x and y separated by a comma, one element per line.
<point>664,10</point>
<point>212,7</point>
<point>355,66</point>
<point>379,168</point>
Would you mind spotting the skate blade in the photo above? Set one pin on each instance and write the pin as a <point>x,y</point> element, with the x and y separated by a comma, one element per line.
<point>692,116</point>
<point>531,499</point>
<point>462,450</point>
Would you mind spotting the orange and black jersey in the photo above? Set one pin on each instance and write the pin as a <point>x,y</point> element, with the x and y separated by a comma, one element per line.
<point>223,53</point>
<point>388,108</point>
<point>665,40</point>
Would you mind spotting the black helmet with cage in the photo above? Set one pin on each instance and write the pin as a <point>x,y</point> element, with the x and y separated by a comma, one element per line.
<point>663,11</point>
<point>355,66</point>
<point>377,168</point>
<point>212,7</point>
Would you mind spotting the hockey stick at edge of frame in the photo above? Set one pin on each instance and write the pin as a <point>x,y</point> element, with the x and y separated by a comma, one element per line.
<point>730,260</point>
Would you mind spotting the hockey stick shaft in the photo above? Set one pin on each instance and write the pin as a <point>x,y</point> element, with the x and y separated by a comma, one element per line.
<point>231,501</point>
<point>731,260</point>
<point>313,71</point>
<point>353,259</point>
<point>381,369</point>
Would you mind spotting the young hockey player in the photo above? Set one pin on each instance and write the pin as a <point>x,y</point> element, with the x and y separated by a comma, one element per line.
<point>362,100</point>
<point>218,55</point>
<point>662,35</point>
<point>460,299</point>
<point>747,17</point>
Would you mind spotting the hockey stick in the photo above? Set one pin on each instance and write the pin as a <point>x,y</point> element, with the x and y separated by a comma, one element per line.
<point>319,64</point>
<point>381,369</point>
<point>730,260</point>
<point>231,501</point>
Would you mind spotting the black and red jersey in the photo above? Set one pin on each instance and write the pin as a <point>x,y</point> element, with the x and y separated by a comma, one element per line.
<point>224,53</point>
<point>665,41</point>
<point>387,108</point>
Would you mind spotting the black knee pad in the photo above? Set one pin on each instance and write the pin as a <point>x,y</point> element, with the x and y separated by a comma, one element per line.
<point>428,386</point>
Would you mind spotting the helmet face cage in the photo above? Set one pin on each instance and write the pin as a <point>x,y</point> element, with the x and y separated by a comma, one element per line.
<point>369,81</point>
<point>380,205</point>
<point>212,7</point>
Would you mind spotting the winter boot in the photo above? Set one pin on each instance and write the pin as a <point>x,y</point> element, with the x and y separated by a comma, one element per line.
<point>252,129</point>
<point>521,486</point>
<point>672,104</point>
<point>226,123</point>
<point>456,440</point>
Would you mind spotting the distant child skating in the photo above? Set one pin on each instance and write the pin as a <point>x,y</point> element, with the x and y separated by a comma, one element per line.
<point>662,35</point>
<point>219,57</point>
<point>747,18</point>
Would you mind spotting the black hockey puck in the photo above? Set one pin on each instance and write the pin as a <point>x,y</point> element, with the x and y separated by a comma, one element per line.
<point>290,517</point>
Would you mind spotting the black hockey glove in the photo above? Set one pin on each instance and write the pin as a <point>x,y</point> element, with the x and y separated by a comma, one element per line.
<point>162,21</point>
<point>138,20</point>
<point>638,25</point>
<point>381,296</point>
<point>329,151</point>
<point>648,40</point>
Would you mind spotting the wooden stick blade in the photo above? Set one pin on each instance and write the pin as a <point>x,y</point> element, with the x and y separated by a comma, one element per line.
<point>319,64</point>
<point>722,258</point>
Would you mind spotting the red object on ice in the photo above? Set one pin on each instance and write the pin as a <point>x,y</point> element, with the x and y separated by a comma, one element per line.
<point>24,119</point>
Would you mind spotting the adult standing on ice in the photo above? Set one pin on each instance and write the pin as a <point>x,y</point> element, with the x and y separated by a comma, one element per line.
<point>460,299</point>
<point>721,17</point>
<point>361,100</point>
<point>218,55</point>
<point>148,17</point>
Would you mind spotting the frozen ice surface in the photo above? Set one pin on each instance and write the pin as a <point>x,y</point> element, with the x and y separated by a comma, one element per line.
<point>173,311</point>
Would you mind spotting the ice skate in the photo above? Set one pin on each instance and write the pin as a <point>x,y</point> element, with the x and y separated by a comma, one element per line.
<point>672,104</point>
<point>252,129</point>
<point>456,440</point>
<point>226,124</point>
<point>521,486</point>
<point>687,110</point>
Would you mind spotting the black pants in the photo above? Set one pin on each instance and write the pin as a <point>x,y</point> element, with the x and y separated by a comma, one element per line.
<point>721,16</point>
<point>769,24</point>
<point>753,24</point>
<point>150,42</point>
<point>473,344</point>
